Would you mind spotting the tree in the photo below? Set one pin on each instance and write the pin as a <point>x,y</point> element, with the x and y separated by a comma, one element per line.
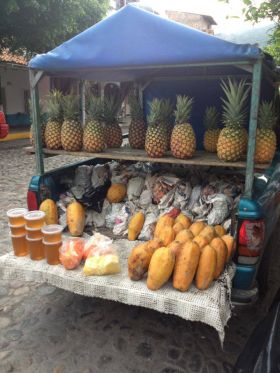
<point>269,9</point>
<point>36,26</point>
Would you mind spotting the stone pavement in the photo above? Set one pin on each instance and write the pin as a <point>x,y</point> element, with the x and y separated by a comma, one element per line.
<point>44,329</point>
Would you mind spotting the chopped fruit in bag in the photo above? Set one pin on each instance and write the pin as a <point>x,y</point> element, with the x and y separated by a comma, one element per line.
<point>71,252</point>
<point>98,243</point>
<point>102,265</point>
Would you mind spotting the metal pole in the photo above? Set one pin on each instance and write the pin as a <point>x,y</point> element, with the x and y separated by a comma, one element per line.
<point>36,122</point>
<point>255,98</point>
<point>83,102</point>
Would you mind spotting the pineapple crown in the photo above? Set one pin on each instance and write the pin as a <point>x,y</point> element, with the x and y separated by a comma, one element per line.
<point>71,107</point>
<point>155,116</point>
<point>43,115</point>
<point>54,106</point>
<point>235,103</point>
<point>136,109</point>
<point>166,111</point>
<point>95,108</point>
<point>112,106</point>
<point>210,118</point>
<point>183,109</point>
<point>267,117</point>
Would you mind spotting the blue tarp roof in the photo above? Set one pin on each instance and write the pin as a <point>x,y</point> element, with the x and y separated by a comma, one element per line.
<point>132,44</point>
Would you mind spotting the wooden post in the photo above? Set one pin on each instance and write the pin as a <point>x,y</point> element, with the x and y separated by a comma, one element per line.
<point>83,102</point>
<point>255,99</point>
<point>35,108</point>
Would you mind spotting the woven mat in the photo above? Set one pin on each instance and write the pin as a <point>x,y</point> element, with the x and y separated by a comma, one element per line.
<point>211,306</point>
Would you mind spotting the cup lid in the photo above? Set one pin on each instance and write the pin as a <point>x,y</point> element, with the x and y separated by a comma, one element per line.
<point>33,239</point>
<point>33,229</point>
<point>52,229</point>
<point>17,235</point>
<point>16,226</point>
<point>51,243</point>
<point>14,213</point>
<point>35,215</point>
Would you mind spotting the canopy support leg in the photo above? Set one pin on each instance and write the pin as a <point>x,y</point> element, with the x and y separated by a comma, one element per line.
<point>83,102</point>
<point>34,80</point>
<point>255,98</point>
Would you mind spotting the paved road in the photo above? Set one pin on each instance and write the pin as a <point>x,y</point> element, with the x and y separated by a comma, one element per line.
<point>44,329</point>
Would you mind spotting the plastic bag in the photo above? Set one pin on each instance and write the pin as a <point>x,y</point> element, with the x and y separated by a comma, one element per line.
<point>102,257</point>
<point>100,175</point>
<point>151,217</point>
<point>221,209</point>
<point>135,188</point>
<point>96,219</point>
<point>71,252</point>
<point>145,199</point>
<point>111,216</point>
<point>162,186</point>
<point>122,219</point>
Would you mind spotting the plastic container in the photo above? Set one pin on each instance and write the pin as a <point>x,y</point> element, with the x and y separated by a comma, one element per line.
<point>35,248</point>
<point>52,233</point>
<point>52,252</point>
<point>19,245</point>
<point>16,216</point>
<point>35,219</point>
<point>34,233</point>
<point>17,230</point>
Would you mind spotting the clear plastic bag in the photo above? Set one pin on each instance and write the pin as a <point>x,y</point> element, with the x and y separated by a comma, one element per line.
<point>71,252</point>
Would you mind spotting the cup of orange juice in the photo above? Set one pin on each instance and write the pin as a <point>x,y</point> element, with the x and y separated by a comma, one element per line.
<point>17,230</point>
<point>34,233</point>
<point>16,216</point>
<point>52,232</point>
<point>19,245</point>
<point>35,219</point>
<point>35,248</point>
<point>52,252</point>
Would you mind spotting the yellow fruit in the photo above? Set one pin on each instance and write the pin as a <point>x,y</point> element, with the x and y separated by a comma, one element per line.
<point>75,217</point>
<point>220,231</point>
<point>50,209</point>
<point>210,140</point>
<point>185,266</point>
<point>184,236</point>
<point>175,246</point>
<point>135,225</point>
<point>164,221</point>
<point>210,121</point>
<point>206,268</point>
<point>139,260</point>
<point>208,232</point>
<point>116,193</point>
<point>160,268</point>
<point>230,243</point>
<point>197,227</point>
<point>221,251</point>
<point>177,227</point>
<point>137,128</point>
<point>167,235</point>
<point>184,220</point>
<point>201,241</point>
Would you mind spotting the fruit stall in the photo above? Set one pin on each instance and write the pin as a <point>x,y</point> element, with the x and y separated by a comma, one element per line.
<point>173,215</point>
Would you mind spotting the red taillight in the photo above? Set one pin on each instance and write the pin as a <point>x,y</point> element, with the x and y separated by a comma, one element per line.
<point>4,130</point>
<point>251,237</point>
<point>2,117</point>
<point>32,201</point>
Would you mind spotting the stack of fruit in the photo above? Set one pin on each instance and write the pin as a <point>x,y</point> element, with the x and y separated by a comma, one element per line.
<point>188,250</point>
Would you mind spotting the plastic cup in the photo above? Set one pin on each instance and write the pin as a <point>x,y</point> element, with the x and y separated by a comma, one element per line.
<point>19,245</point>
<point>52,252</point>
<point>17,230</point>
<point>16,216</point>
<point>34,233</point>
<point>52,233</point>
<point>35,219</point>
<point>35,248</point>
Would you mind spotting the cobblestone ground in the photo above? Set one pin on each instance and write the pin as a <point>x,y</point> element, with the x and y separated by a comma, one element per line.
<point>44,329</point>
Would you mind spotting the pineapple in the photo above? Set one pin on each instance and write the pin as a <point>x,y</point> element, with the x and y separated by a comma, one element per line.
<point>156,141</point>
<point>43,122</point>
<point>266,138</point>
<point>112,130</point>
<point>183,140</point>
<point>166,118</point>
<point>137,128</point>
<point>212,131</point>
<point>232,141</point>
<point>93,139</point>
<point>71,130</point>
<point>55,119</point>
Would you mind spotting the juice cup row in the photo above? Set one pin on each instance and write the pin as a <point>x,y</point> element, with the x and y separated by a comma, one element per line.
<point>20,216</point>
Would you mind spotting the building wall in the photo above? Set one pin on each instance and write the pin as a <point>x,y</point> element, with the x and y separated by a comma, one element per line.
<point>193,20</point>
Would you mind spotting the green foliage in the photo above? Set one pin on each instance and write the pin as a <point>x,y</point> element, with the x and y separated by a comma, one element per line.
<point>36,26</point>
<point>210,118</point>
<point>71,107</point>
<point>267,115</point>
<point>183,109</point>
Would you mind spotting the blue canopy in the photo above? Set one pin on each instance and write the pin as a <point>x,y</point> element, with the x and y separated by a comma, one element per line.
<point>132,44</point>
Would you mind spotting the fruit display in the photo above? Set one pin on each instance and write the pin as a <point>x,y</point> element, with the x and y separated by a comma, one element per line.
<point>233,138</point>
<point>166,119</point>
<point>183,140</point>
<point>55,119</point>
<point>211,135</point>
<point>266,137</point>
<point>112,129</point>
<point>71,129</point>
<point>156,142</point>
<point>137,128</point>
<point>160,268</point>
<point>135,226</point>
<point>93,138</point>
<point>116,193</point>
<point>75,216</point>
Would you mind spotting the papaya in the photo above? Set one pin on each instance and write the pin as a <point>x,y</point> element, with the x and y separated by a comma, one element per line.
<point>220,231</point>
<point>177,227</point>
<point>201,241</point>
<point>184,220</point>
<point>206,268</point>
<point>135,225</point>
<point>116,193</point>
<point>230,243</point>
<point>197,227</point>
<point>160,268</point>
<point>164,221</point>
<point>50,209</point>
<point>75,217</point>
<point>208,232</point>
<point>167,235</point>
<point>185,266</point>
<point>184,236</point>
<point>221,250</point>
<point>175,246</point>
